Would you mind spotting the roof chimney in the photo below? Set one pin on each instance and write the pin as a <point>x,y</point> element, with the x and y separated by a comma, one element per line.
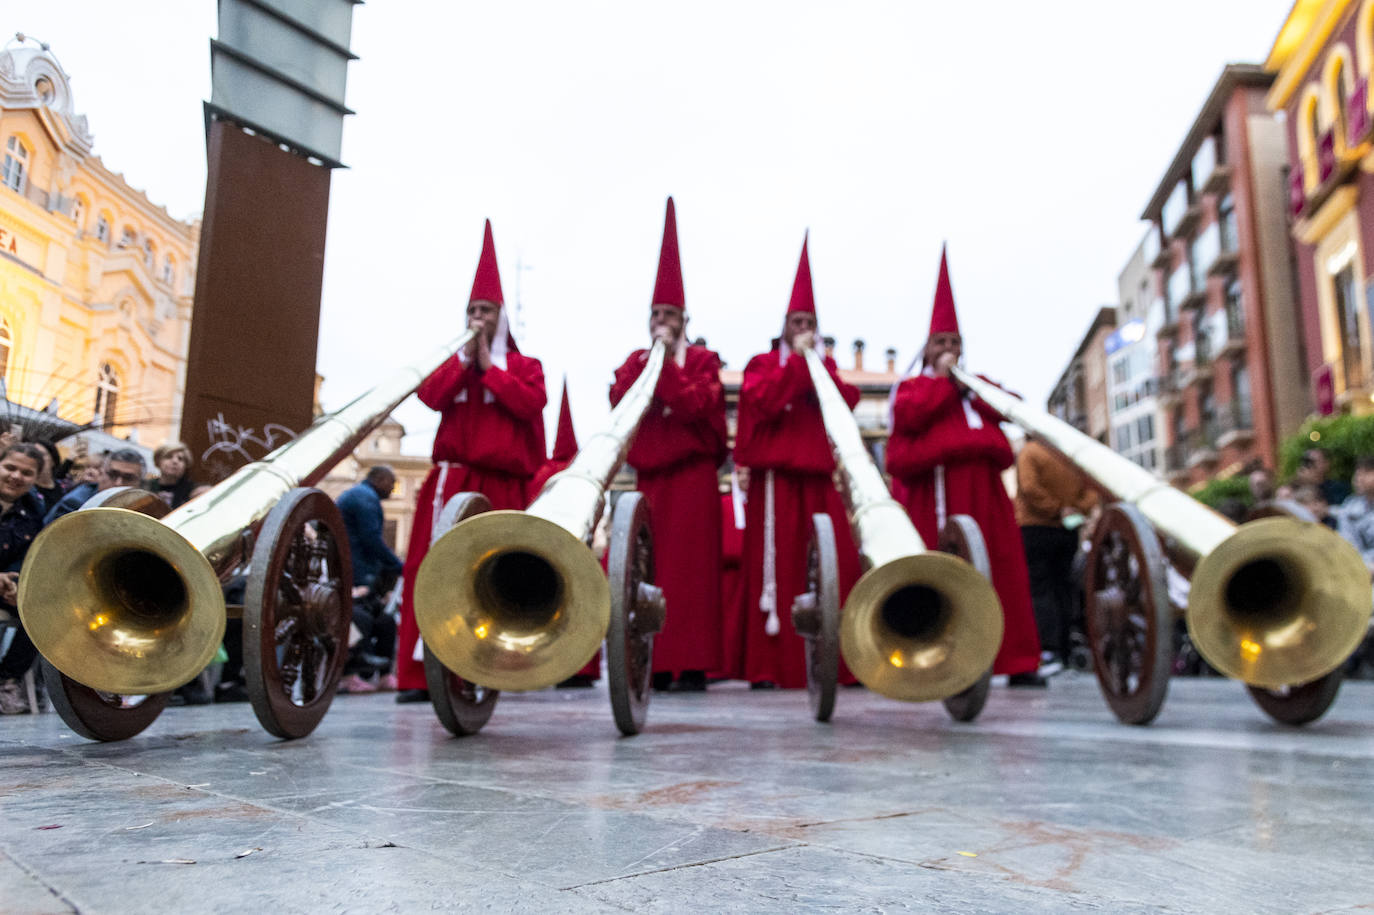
<point>891,355</point>
<point>858,355</point>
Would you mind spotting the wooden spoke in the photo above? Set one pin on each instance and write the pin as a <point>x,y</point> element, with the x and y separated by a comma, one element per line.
<point>1128,617</point>
<point>297,608</point>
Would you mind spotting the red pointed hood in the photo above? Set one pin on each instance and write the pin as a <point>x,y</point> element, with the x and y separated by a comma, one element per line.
<point>565,445</point>
<point>943,320</point>
<point>803,298</point>
<point>668,284</point>
<point>486,285</point>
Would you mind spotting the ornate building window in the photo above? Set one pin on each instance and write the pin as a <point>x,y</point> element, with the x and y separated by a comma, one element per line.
<point>106,394</point>
<point>169,270</point>
<point>102,229</point>
<point>6,347</point>
<point>78,212</point>
<point>127,238</point>
<point>149,253</point>
<point>16,170</point>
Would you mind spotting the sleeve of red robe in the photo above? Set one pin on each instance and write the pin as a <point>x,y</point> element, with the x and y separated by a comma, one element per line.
<point>442,385</point>
<point>523,394</point>
<point>629,370</point>
<point>771,389</point>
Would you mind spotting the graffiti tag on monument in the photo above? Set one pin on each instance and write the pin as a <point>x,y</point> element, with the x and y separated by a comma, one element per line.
<point>236,445</point>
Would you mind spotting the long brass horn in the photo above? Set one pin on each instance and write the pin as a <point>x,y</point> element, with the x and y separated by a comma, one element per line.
<point>124,603</point>
<point>1275,602</point>
<point>918,625</point>
<point>515,600</point>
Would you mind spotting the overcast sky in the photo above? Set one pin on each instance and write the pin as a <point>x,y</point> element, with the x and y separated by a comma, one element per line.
<point>1028,135</point>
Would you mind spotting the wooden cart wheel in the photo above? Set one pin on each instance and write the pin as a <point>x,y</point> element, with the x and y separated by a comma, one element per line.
<point>297,607</point>
<point>462,707</point>
<point>1128,617</point>
<point>98,715</point>
<point>816,618</point>
<point>962,537</point>
<point>1295,705</point>
<point>637,612</point>
<point>94,714</point>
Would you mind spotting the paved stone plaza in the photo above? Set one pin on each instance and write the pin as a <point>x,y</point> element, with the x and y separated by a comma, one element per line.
<point>730,801</point>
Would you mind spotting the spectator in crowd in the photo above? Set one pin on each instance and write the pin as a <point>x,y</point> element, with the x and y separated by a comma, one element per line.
<point>1355,516</point>
<point>1261,481</point>
<point>1311,498</point>
<point>173,483</point>
<point>1052,498</point>
<point>375,570</point>
<point>83,470</point>
<point>1314,469</point>
<point>122,467</point>
<point>49,487</point>
<point>21,518</point>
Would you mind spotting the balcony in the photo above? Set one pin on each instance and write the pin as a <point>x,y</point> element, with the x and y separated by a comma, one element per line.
<point>1183,290</point>
<point>1169,325</point>
<point>1180,212</point>
<point>1235,424</point>
<point>1210,174</point>
<point>1192,448</point>
<point>1167,387</point>
<point>1216,249</point>
<point>1200,369</point>
<point>1202,450</point>
<point>1234,342</point>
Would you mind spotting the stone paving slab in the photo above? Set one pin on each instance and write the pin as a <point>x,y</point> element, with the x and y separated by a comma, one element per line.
<point>733,800</point>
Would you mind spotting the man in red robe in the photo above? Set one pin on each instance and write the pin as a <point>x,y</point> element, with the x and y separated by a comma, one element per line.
<point>675,454</point>
<point>946,455</point>
<point>782,441</point>
<point>490,439</point>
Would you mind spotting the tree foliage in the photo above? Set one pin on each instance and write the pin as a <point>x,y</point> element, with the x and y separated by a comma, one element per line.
<point>1343,438</point>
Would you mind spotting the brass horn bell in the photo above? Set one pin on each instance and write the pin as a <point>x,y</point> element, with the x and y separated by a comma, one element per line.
<point>921,628</point>
<point>120,602</point>
<point>511,601</point>
<point>1279,603</point>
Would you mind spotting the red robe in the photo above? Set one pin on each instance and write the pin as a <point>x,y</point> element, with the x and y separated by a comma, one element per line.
<point>780,432</point>
<point>675,454</point>
<point>490,440</point>
<point>933,438</point>
<point>731,583</point>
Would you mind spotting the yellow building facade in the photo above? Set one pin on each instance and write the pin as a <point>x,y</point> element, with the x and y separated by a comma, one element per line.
<point>96,281</point>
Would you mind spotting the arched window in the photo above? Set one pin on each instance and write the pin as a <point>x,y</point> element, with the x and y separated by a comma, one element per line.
<point>169,270</point>
<point>1309,131</point>
<point>106,394</point>
<point>102,229</point>
<point>6,346</point>
<point>127,237</point>
<point>149,253</point>
<point>16,170</point>
<point>1340,85</point>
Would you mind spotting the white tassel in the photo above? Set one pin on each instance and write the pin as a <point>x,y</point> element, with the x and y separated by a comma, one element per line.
<point>940,497</point>
<point>768,599</point>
